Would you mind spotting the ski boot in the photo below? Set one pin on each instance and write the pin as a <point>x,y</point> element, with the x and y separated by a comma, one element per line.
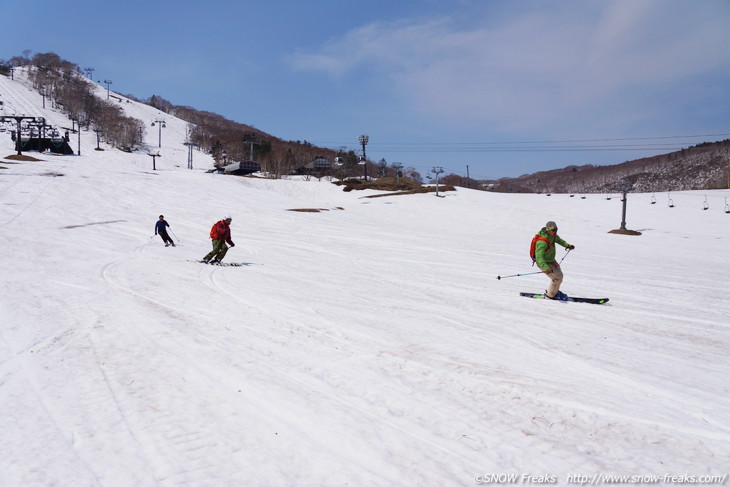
<point>560,296</point>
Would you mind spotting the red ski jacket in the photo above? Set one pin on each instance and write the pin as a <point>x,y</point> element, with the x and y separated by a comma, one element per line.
<point>221,230</point>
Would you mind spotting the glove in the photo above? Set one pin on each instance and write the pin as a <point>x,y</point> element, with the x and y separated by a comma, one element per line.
<point>233,245</point>
<point>548,271</point>
<point>571,247</point>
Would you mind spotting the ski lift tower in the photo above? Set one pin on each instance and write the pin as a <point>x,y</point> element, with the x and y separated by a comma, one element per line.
<point>437,171</point>
<point>623,230</point>
<point>107,82</point>
<point>364,139</point>
<point>190,146</point>
<point>398,173</point>
<point>160,125</point>
<point>18,119</point>
<point>154,156</point>
<point>625,189</point>
<point>250,139</point>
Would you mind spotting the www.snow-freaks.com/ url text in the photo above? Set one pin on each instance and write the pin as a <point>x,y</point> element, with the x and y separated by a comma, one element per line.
<point>605,479</point>
<point>600,479</point>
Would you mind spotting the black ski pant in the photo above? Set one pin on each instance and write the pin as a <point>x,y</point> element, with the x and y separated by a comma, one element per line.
<point>165,237</point>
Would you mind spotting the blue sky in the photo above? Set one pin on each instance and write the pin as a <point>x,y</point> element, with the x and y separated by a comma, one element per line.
<point>504,87</point>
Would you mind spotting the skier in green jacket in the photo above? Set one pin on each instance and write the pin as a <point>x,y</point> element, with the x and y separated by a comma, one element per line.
<point>544,256</point>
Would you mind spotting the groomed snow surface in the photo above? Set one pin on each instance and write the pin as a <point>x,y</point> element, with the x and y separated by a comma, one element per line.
<point>368,344</point>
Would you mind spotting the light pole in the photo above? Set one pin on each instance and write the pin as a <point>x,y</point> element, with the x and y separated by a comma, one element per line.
<point>364,139</point>
<point>160,126</point>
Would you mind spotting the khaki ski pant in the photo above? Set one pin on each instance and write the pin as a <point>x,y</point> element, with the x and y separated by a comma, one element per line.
<point>556,278</point>
<point>219,250</point>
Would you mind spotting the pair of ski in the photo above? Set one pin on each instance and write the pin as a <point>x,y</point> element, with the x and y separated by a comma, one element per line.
<point>221,264</point>
<point>570,298</point>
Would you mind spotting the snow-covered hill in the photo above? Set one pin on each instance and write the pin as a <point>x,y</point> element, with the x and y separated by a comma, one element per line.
<point>21,99</point>
<point>369,343</point>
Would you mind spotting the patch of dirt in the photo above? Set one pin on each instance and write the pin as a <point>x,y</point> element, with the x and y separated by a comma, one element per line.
<point>425,189</point>
<point>404,186</point>
<point>625,232</point>
<point>313,210</point>
<point>16,157</point>
<point>94,223</point>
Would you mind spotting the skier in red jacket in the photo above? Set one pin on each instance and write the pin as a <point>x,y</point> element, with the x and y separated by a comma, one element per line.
<point>221,234</point>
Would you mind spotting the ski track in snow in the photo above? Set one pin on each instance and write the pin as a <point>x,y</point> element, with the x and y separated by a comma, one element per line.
<point>365,346</point>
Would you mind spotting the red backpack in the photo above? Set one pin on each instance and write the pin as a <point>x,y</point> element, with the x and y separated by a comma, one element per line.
<point>219,230</point>
<point>532,245</point>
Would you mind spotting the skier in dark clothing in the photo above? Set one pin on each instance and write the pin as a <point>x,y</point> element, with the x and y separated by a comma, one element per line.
<point>161,230</point>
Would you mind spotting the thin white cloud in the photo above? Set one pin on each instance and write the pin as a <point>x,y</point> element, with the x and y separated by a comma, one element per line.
<point>526,69</point>
<point>384,47</point>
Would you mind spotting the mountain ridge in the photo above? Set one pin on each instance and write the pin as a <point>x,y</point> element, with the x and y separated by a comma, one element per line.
<point>704,166</point>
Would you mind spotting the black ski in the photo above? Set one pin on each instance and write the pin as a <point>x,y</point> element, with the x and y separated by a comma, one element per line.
<point>221,264</point>
<point>570,298</point>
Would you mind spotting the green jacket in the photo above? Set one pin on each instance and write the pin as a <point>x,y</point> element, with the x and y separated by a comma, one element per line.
<point>544,251</point>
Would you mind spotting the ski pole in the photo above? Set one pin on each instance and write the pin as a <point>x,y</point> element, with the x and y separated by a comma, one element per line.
<point>178,238</point>
<point>532,273</point>
<point>519,275</point>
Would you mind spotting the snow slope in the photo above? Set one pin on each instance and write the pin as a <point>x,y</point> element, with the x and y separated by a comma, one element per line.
<point>366,344</point>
